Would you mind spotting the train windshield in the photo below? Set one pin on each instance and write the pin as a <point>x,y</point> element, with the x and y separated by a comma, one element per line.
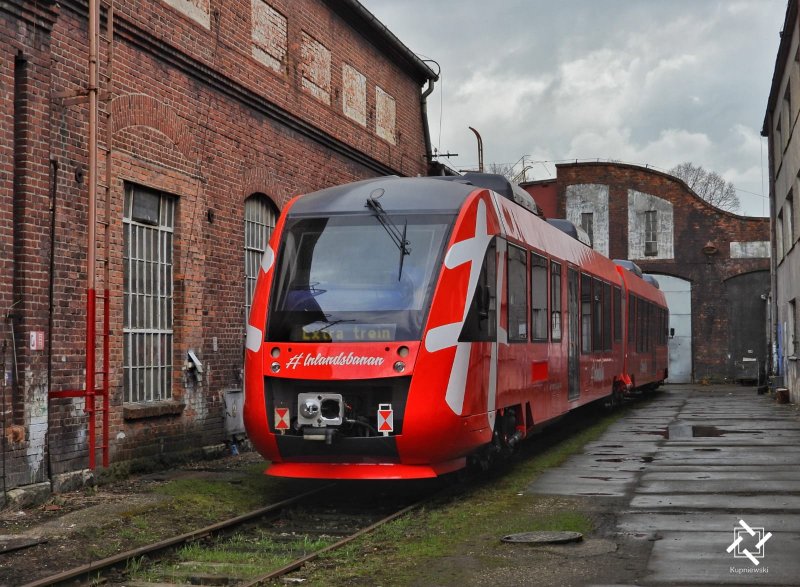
<point>351,277</point>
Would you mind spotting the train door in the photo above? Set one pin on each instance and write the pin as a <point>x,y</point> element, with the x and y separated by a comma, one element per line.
<point>573,335</point>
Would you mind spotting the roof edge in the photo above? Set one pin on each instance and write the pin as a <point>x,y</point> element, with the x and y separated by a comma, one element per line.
<point>780,62</point>
<point>666,175</point>
<point>368,25</point>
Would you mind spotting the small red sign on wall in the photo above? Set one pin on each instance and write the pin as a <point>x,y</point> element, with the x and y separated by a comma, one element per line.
<point>37,340</point>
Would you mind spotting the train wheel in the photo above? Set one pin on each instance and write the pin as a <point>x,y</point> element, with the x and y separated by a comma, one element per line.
<point>616,398</point>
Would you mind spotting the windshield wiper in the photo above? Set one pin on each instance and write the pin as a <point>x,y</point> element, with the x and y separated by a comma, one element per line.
<point>398,238</point>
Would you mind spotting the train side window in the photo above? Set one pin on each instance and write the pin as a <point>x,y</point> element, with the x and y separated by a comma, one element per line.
<point>586,313</point>
<point>597,314</point>
<point>481,322</point>
<point>517,294</point>
<point>606,316</point>
<point>641,342</point>
<point>538,298</point>
<point>631,321</point>
<point>617,314</point>
<point>555,301</point>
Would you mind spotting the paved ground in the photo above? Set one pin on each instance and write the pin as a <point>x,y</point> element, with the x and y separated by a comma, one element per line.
<point>710,476</point>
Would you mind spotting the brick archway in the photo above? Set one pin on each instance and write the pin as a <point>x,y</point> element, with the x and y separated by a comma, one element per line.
<point>142,110</point>
<point>261,180</point>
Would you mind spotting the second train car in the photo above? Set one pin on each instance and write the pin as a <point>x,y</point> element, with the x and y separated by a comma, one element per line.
<point>401,326</point>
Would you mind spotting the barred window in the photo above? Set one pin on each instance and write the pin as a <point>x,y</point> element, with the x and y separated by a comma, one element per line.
<point>149,220</point>
<point>587,224</point>
<point>259,222</point>
<point>650,233</point>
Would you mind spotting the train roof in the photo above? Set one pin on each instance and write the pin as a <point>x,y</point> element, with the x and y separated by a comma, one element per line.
<point>642,287</point>
<point>395,194</point>
<point>569,227</point>
<point>498,184</point>
<point>401,194</point>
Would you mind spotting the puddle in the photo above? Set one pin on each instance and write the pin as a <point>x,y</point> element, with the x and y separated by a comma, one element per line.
<point>681,431</point>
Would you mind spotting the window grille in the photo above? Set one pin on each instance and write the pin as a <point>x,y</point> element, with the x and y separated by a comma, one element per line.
<point>650,238</point>
<point>788,228</point>
<point>587,224</point>
<point>148,219</point>
<point>259,222</point>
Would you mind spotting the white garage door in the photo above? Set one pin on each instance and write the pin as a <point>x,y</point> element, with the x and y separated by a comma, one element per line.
<point>679,299</point>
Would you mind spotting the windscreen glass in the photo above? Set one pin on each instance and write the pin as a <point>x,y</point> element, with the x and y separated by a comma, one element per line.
<point>346,278</point>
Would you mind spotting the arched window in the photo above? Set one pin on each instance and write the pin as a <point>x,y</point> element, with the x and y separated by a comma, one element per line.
<point>259,222</point>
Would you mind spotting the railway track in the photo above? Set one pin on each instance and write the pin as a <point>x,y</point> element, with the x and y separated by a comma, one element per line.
<point>251,549</point>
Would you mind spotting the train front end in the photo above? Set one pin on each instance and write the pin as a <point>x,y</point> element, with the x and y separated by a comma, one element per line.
<point>333,385</point>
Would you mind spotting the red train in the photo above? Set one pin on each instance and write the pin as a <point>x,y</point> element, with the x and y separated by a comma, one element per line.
<point>403,325</point>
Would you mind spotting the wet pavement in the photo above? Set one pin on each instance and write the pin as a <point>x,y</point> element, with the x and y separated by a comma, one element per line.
<point>710,475</point>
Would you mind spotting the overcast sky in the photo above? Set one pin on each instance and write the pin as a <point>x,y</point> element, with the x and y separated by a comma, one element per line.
<point>650,82</point>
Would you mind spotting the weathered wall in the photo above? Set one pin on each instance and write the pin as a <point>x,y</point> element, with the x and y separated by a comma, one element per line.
<point>782,114</point>
<point>686,224</point>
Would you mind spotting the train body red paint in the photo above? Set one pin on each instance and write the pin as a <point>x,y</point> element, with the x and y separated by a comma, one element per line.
<point>403,325</point>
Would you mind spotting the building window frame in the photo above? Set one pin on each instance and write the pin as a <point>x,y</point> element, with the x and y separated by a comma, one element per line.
<point>148,287</point>
<point>788,219</point>
<point>587,224</point>
<point>651,233</point>
<point>260,215</point>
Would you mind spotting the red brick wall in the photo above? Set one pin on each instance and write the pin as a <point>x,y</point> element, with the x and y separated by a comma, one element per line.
<point>695,224</point>
<point>194,115</point>
<point>24,238</point>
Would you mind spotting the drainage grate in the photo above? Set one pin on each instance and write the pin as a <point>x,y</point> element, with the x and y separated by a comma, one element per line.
<point>543,537</point>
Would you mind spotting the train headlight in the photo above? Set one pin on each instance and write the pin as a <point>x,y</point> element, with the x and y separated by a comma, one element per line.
<point>399,366</point>
<point>275,367</point>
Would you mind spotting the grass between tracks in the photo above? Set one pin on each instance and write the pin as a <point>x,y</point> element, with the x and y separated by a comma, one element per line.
<point>444,542</point>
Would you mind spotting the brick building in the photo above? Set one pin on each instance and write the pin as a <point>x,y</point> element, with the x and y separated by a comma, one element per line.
<point>712,265</point>
<point>783,108</point>
<point>211,116</point>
